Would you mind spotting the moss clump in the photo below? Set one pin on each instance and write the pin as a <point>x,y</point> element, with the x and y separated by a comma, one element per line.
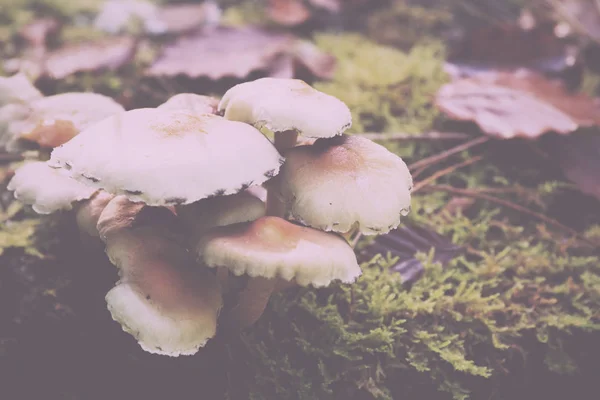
<point>512,306</point>
<point>386,89</point>
<point>403,25</point>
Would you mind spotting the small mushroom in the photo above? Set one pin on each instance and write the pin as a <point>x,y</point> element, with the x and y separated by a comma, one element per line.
<point>271,248</point>
<point>344,182</point>
<point>169,157</point>
<point>46,189</point>
<point>287,107</point>
<point>192,102</point>
<point>163,299</point>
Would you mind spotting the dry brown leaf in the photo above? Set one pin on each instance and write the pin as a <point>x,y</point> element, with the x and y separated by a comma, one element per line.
<point>237,52</point>
<point>320,64</point>
<point>288,12</point>
<point>179,18</point>
<point>90,56</point>
<point>508,48</point>
<point>508,105</point>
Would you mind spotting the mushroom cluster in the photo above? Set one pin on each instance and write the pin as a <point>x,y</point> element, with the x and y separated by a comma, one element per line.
<point>175,194</point>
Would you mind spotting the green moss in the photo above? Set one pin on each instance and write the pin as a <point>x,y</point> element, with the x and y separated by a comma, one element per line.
<point>403,25</point>
<point>386,89</point>
<point>459,329</point>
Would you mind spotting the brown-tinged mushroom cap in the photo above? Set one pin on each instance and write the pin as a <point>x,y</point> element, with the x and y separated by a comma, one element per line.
<point>120,214</point>
<point>192,102</point>
<point>272,247</point>
<point>339,183</point>
<point>89,211</point>
<point>286,105</point>
<point>167,157</point>
<point>165,301</point>
<point>205,214</point>
<point>46,189</point>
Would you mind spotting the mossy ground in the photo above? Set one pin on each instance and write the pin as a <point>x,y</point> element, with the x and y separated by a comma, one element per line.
<point>517,316</point>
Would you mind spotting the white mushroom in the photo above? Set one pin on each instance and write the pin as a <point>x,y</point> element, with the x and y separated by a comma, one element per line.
<point>343,182</point>
<point>46,189</point>
<point>168,157</point>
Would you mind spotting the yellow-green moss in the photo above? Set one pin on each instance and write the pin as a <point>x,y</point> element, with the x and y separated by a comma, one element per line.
<point>387,90</point>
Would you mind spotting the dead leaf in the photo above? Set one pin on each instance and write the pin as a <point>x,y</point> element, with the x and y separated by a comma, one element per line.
<point>36,32</point>
<point>237,52</point>
<point>508,105</point>
<point>509,48</point>
<point>578,156</point>
<point>405,242</point>
<point>288,12</point>
<point>321,65</point>
<point>180,18</point>
<point>110,53</point>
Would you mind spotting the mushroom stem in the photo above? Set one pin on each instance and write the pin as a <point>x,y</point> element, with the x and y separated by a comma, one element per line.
<point>283,141</point>
<point>252,302</point>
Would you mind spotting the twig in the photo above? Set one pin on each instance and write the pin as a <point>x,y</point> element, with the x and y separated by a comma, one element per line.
<point>481,196</point>
<point>444,172</point>
<point>445,154</point>
<point>408,136</point>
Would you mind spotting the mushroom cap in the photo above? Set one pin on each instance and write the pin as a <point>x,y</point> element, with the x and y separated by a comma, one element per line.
<point>89,211</point>
<point>54,120</point>
<point>166,302</point>
<point>46,189</point>
<point>272,247</point>
<point>286,104</point>
<point>121,214</point>
<point>339,183</point>
<point>205,214</point>
<point>192,102</point>
<point>17,89</point>
<point>168,157</point>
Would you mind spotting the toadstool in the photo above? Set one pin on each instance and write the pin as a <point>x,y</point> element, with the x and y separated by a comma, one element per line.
<point>287,107</point>
<point>345,182</point>
<point>46,189</point>
<point>195,103</point>
<point>165,301</point>
<point>270,248</point>
<point>168,157</point>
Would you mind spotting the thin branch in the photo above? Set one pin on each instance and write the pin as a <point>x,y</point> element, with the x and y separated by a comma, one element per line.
<point>408,136</point>
<point>481,196</point>
<point>447,153</point>
<point>444,172</point>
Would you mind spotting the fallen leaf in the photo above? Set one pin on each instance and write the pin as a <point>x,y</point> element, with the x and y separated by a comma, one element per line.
<point>180,18</point>
<point>405,242</point>
<point>36,32</point>
<point>509,48</point>
<point>288,12</point>
<point>237,52</point>
<point>320,64</point>
<point>578,156</point>
<point>508,105</point>
<point>110,54</point>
